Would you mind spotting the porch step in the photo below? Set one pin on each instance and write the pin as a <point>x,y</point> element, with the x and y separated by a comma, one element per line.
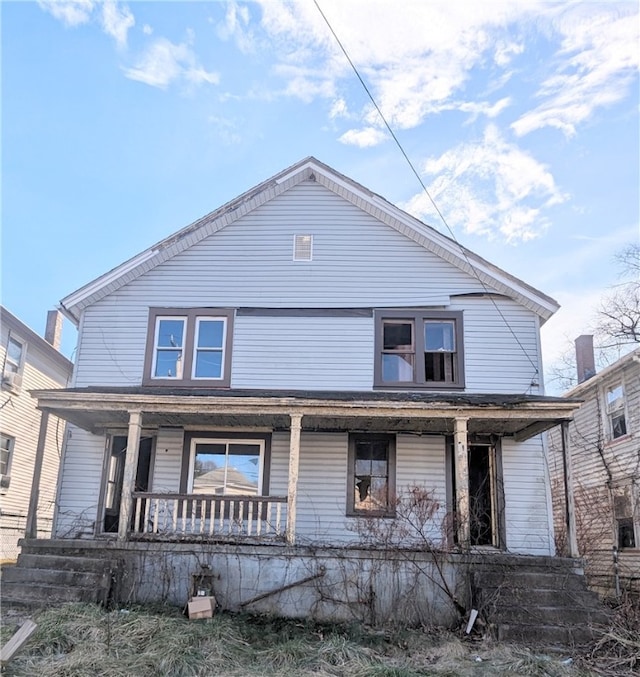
<point>43,579</point>
<point>534,602</point>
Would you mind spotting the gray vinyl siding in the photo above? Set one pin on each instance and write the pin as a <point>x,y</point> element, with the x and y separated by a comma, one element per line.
<point>527,517</point>
<point>80,484</point>
<point>167,466</point>
<point>500,346</point>
<point>320,353</point>
<point>357,262</point>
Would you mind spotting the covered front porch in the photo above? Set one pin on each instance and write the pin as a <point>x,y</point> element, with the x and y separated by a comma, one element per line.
<point>241,419</point>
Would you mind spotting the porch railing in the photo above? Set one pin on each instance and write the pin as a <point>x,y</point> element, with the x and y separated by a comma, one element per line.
<point>208,516</point>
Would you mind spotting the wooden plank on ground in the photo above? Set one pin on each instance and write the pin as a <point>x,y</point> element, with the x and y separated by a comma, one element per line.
<point>19,638</point>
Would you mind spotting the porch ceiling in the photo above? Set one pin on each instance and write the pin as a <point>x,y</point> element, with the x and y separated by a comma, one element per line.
<point>99,409</point>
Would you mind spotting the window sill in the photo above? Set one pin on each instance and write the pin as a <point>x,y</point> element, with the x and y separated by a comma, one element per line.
<point>419,386</point>
<point>617,440</point>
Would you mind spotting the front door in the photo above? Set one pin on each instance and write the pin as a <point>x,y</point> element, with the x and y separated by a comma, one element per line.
<point>483,513</point>
<point>115,475</point>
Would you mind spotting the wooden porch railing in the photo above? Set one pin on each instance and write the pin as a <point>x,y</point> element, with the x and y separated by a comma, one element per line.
<point>208,516</point>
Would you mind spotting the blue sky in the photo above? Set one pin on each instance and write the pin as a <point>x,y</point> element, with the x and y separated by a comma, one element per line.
<point>123,122</point>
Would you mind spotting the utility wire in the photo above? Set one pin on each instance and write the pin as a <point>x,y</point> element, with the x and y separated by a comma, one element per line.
<point>424,188</point>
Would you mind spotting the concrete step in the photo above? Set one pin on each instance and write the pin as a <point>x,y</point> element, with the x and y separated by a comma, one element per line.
<point>45,595</point>
<point>549,635</point>
<point>62,577</point>
<point>528,580</point>
<point>534,597</point>
<point>547,615</point>
<point>62,562</point>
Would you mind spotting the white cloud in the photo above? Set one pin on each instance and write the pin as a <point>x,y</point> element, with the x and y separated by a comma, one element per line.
<point>363,138</point>
<point>147,30</point>
<point>116,21</point>
<point>226,130</point>
<point>596,64</point>
<point>165,62</point>
<point>235,26</point>
<point>490,188</point>
<point>71,12</point>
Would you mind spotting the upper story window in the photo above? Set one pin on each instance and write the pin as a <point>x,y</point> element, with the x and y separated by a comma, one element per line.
<point>419,348</point>
<point>6,454</point>
<point>13,364</point>
<point>615,406</point>
<point>189,347</point>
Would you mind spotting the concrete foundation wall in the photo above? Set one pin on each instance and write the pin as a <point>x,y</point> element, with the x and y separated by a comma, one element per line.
<point>345,584</point>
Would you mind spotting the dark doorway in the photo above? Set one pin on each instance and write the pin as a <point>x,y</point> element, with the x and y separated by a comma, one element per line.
<point>482,496</point>
<point>115,474</point>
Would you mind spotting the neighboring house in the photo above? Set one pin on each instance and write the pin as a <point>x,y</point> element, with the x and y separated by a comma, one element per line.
<point>28,362</point>
<point>605,463</point>
<point>285,378</point>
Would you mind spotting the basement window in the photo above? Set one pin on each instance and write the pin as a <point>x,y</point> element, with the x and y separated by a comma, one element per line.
<point>302,247</point>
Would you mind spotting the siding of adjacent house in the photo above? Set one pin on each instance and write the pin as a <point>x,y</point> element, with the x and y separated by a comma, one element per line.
<point>20,419</point>
<point>598,463</point>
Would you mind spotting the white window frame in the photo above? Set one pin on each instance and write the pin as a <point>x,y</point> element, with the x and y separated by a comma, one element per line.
<point>5,478</point>
<point>226,441</point>
<point>221,350</point>
<point>610,412</point>
<point>13,370</point>
<point>633,513</point>
<point>157,349</point>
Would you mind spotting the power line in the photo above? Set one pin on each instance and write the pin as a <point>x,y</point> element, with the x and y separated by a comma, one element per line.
<point>424,188</point>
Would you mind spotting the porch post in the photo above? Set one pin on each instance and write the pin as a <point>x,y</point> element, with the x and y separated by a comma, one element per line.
<point>462,480</point>
<point>31,530</point>
<point>570,508</point>
<point>129,476</point>
<point>292,494</point>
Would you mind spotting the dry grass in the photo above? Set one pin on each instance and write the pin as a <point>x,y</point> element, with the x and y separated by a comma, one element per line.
<point>85,640</point>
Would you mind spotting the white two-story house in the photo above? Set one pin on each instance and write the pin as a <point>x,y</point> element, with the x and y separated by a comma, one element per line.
<point>287,370</point>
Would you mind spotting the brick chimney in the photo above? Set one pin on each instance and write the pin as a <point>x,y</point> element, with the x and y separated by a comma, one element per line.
<point>585,360</point>
<point>53,332</point>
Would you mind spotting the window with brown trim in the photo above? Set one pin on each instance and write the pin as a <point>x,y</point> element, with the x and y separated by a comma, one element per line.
<point>13,364</point>
<point>371,475</point>
<point>189,347</point>
<point>419,348</point>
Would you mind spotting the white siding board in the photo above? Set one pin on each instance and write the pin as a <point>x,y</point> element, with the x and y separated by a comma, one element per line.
<point>324,353</point>
<point>80,482</point>
<point>168,460</point>
<point>526,507</point>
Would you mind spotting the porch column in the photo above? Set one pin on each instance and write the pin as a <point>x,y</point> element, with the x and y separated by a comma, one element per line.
<point>129,476</point>
<point>570,508</point>
<point>462,481</point>
<point>31,530</point>
<point>292,494</point>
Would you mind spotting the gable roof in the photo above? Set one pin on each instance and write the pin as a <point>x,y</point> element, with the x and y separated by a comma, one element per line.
<point>448,249</point>
<point>613,370</point>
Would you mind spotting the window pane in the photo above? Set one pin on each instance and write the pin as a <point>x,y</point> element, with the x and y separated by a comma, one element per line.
<point>379,492</point>
<point>379,468</point>
<point>242,474</point>
<point>618,425</point>
<point>14,351</point>
<point>4,461</point>
<point>615,398</point>
<point>439,336</point>
<point>397,368</point>
<point>397,335</point>
<point>210,333</point>
<point>170,334</point>
<point>209,469</point>
<point>363,466</point>
<point>208,364</point>
<point>168,364</point>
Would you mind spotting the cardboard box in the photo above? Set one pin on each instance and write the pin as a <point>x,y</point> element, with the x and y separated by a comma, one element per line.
<point>201,607</point>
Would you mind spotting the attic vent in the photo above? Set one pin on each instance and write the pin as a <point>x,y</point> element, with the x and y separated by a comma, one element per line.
<point>302,247</point>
